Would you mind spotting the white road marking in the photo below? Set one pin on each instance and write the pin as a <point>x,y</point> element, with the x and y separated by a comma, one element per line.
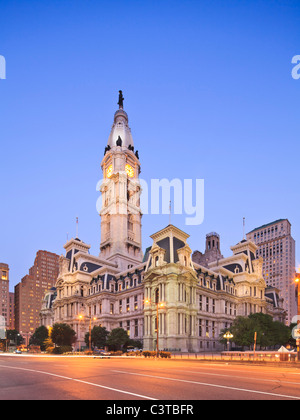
<point>237,376</point>
<point>211,385</point>
<point>79,380</point>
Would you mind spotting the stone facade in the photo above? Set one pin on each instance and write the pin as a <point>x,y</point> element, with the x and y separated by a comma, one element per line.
<point>190,302</point>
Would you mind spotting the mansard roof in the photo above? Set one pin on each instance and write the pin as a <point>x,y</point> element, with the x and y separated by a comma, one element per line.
<point>170,239</point>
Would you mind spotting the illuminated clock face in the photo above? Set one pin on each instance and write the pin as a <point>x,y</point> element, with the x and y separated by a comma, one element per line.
<point>109,171</point>
<point>129,170</point>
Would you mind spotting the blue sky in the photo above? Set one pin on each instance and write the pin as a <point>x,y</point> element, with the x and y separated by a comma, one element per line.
<point>209,94</point>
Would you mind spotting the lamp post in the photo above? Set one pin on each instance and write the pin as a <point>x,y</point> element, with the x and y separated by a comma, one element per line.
<point>158,305</point>
<point>90,333</point>
<point>6,340</point>
<point>90,329</point>
<point>80,317</point>
<point>228,336</point>
<point>297,281</point>
<point>254,347</point>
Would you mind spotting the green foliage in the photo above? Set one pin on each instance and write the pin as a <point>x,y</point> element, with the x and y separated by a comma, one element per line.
<point>292,340</point>
<point>116,353</point>
<point>48,345</point>
<point>162,354</point>
<point>165,354</point>
<point>38,338</point>
<point>269,333</point>
<point>63,335</point>
<point>13,335</point>
<point>62,349</point>
<point>99,337</point>
<point>147,353</point>
<point>117,339</point>
<point>135,344</point>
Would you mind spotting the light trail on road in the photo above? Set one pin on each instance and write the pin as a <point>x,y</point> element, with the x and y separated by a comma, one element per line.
<point>142,379</point>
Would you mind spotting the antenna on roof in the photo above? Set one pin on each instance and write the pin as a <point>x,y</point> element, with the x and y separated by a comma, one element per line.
<point>243,227</point>
<point>170,206</point>
<point>76,227</point>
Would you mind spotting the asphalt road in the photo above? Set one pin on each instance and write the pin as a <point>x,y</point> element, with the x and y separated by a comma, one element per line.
<point>116,379</point>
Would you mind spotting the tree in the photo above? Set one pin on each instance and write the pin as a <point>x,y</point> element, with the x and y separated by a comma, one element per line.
<point>39,337</point>
<point>282,332</point>
<point>292,340</point>
<point>117,339</point>
<point>63,335</point>
<point>48,343</point>
<point>13,335</point>
<point>269,333</point>
<point>99,337</point>
<point>135,343</point>
<point>243,332</point>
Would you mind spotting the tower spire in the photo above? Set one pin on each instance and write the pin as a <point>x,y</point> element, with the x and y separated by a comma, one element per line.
<point>121,213</point>
<point>120,134</point>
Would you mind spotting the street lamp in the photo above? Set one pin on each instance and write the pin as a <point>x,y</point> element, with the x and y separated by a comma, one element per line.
<point>90,333</point>
<point>228,336</point>
<point>81,317</point>
<point>297,281</point>
<point>158,305</point>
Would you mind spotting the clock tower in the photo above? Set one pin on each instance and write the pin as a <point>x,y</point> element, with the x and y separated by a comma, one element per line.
<point>121,213</point>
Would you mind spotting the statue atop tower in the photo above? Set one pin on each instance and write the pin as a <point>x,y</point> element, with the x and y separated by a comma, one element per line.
<point>121,99</point>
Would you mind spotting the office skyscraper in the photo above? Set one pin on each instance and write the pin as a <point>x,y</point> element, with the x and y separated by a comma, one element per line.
<point>30,292</point>
<point>277,248</point>
<point>4,294</point>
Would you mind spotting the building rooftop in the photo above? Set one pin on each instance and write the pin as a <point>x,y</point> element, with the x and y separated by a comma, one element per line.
<point>268,224</point>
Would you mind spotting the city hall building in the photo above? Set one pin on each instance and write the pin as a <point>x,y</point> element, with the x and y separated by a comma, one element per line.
<point>191,297</point>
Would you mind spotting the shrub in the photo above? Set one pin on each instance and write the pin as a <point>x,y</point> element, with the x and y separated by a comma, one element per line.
<point>133,353</point>
<point>116,353</point>
<point>165,354</point>
<point>62,349</point>
<point>66,349</point>
<point>162,354</point>
<point>147,353</point>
